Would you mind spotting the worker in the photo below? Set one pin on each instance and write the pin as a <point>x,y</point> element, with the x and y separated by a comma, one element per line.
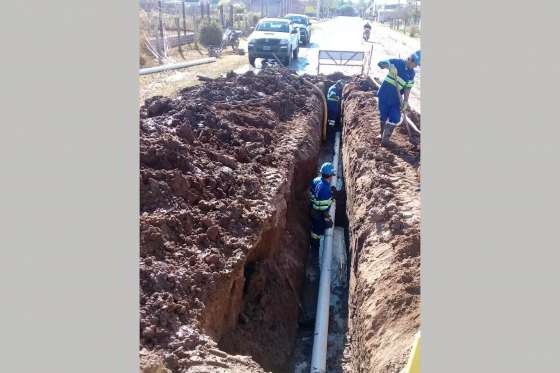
<point>397,83</point>
<point>333,101</point>
<point>321,196</point>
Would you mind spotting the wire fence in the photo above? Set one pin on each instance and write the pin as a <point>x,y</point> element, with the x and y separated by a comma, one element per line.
<point>170,24</point>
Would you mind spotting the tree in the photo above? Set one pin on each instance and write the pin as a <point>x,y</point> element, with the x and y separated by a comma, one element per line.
<point>362,6</point>
<point>346,10</point>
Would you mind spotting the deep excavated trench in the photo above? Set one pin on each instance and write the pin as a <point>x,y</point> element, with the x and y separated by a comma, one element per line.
<point>227,280</point>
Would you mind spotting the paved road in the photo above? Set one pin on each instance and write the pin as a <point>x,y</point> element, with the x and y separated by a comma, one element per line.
<point>345,33</point>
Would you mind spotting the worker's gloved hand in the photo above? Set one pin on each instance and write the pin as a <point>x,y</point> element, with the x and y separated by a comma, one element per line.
<point>328,222</point>
<point>404,106</point>
<point>333,190</point>
<point>393,72</point>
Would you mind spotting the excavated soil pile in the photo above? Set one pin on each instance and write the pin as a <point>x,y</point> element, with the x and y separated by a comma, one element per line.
<point>383,208</point>
<point>224,169</point>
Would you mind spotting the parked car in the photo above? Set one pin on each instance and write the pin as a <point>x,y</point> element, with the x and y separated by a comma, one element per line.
<point>303,24</point>
<point>274,37</point>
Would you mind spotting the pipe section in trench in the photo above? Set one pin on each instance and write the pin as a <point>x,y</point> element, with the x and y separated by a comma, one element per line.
<point>319,354</point>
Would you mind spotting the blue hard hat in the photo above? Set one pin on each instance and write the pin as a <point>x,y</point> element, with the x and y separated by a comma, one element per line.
<point>327,169</point>
<point>415,57</point>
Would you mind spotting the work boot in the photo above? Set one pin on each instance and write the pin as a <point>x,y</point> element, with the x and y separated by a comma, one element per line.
<point>381,127</point>
<point>388,131</point>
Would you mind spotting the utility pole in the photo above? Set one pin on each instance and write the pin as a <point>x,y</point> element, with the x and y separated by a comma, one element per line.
<point>184,18</point>
<point>318,9</point>
<point>161,44</point>
<point>179,36</point>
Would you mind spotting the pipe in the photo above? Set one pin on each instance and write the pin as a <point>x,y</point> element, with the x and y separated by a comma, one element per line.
<point>325,109</point>
<point>407,120</point>
<point>157,69</point>
<point>319,355</point>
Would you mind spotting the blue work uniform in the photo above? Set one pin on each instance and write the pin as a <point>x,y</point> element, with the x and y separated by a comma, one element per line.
<point>333,102</point>
<point>321,199</point>
<point>389,101</point>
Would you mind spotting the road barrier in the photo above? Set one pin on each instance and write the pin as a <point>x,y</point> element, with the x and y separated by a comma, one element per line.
<point>341,58</point>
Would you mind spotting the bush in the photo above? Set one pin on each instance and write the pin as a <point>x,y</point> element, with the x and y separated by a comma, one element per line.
<point>210,33</point>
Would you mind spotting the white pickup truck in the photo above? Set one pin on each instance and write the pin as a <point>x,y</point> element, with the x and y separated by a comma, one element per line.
<point>302,23</point>
<point>274,37</point>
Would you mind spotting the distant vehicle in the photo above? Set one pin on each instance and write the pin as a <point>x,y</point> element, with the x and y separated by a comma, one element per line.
<point>366,34</point>
<point>230,38</point>
<point>367,31</point>
<point>274,37</point>
<point>303,24</point>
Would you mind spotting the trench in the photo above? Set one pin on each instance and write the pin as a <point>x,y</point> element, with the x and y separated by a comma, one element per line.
<point>277,332</point>
<point>272,277</point>
<point>337,345</point>
<point>378,330</point>
<point>243,297</point>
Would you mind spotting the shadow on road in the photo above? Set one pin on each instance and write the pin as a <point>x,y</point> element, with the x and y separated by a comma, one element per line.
<point>299,64</point>
<point>310,46</point>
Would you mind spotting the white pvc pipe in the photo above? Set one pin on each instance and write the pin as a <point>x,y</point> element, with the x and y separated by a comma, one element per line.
<point>182,65</point>
<point>319,355</point>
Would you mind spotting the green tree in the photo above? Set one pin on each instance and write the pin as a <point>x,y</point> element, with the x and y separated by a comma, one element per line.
<point>346,10</point>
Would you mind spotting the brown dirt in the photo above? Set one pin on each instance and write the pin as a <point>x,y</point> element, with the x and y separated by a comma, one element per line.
<point>383,208</point>
<point>167,83</point>
<point>223,172</point>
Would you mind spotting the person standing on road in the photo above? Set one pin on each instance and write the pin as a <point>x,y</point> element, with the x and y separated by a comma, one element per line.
<point>397,83</point>
<point>321,197</point>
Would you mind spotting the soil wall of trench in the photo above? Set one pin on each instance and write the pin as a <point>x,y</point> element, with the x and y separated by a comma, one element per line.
<point>223,230</point>
<point>383,209</point>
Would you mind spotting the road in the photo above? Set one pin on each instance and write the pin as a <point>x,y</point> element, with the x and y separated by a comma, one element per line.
<point>345,33</point>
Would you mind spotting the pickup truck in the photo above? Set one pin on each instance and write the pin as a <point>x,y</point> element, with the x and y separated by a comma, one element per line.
<point>302,23</point>
<point>274,36</point>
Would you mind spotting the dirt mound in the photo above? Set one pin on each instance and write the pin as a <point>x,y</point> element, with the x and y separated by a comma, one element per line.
<point>383,208</point>
<point>223,168</point>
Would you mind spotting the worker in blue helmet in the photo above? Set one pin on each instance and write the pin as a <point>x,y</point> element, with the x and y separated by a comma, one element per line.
<point>321,197</point>
<point>393,93</point>
<point>334,95</point>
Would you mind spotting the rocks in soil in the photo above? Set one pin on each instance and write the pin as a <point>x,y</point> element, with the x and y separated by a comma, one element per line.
<point>383,213</point>
<point>218,168</point>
